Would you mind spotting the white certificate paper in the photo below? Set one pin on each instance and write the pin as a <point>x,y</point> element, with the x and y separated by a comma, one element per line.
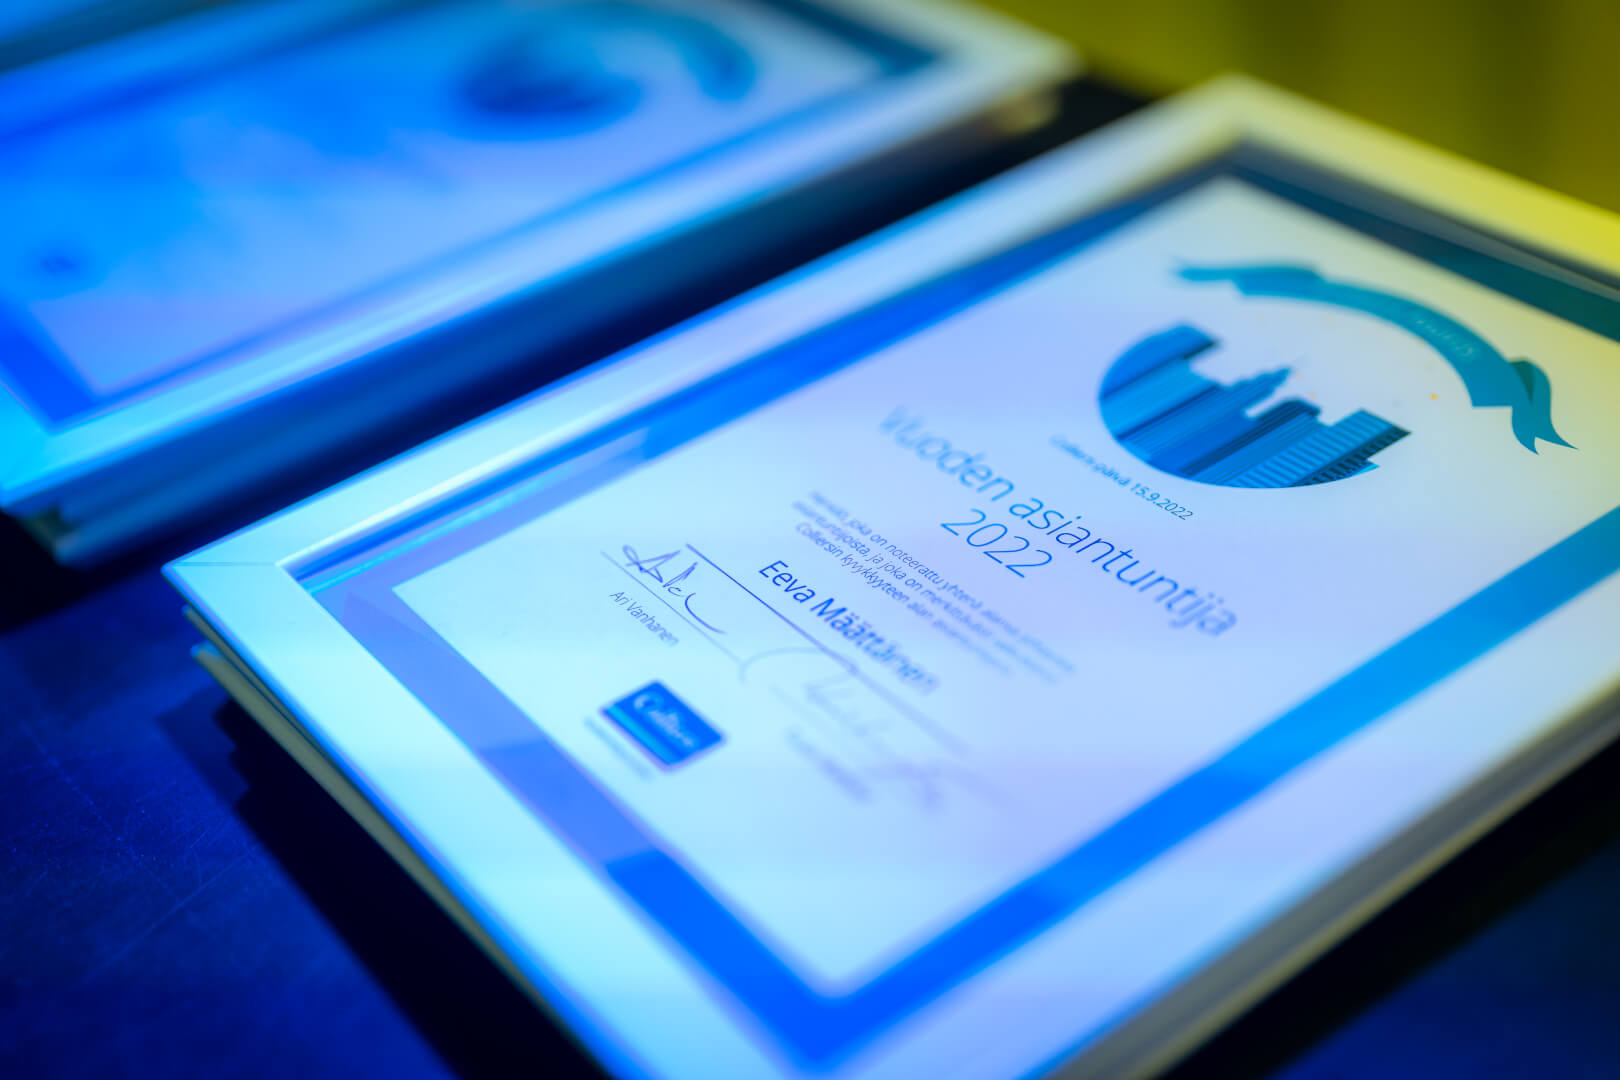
<point>1020,642</point>
<point>949,628</point>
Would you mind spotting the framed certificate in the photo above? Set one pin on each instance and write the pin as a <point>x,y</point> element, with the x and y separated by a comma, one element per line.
<point>1009,646</point>
<point>320,213</point>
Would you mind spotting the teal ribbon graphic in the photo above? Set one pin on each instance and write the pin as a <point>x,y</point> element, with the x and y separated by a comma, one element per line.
<point>1490,379</point>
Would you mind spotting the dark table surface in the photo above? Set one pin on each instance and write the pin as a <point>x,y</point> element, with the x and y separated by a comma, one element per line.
<point>177,897</point>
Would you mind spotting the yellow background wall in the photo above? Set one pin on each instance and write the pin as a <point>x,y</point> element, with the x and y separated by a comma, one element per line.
<point>1531,88</point>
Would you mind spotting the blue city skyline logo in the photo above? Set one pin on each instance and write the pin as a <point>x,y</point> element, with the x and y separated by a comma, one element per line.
<point>555,79</point>
<point>1183,423</point>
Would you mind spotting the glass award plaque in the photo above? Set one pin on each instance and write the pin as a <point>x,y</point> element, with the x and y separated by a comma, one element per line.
<point>318,217</point>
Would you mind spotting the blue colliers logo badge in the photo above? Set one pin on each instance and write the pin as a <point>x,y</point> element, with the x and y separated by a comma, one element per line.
<point>1182,423</point>
<point>665,726</point>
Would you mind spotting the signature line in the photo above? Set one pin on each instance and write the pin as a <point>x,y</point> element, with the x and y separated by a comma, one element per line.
<point>677,611</point>
<point>922,721</point>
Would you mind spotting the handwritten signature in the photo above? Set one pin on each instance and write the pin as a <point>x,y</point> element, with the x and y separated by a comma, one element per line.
<point>653,567</point>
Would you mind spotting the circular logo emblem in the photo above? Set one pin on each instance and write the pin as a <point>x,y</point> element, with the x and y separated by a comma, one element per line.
<point>1180,422</point>
<point>1160,408</point>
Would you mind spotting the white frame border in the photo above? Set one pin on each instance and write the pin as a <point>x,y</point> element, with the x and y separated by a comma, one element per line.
<point>349,706</point>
